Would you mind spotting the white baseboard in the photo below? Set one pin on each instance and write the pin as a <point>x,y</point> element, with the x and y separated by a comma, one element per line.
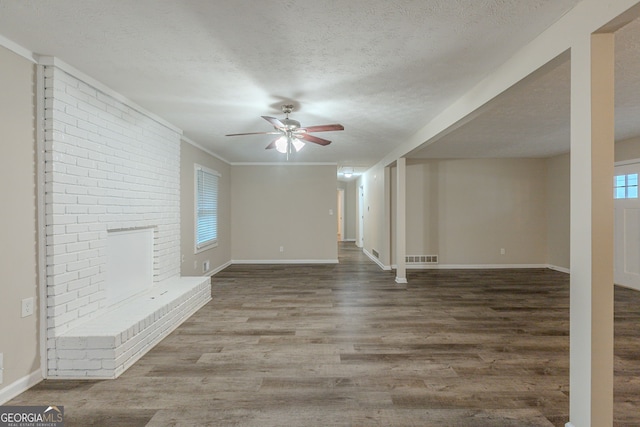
<point>569,425</point>
<point>401,280</point>
<point>376,260</point>
<point>560,269</point>
<point>218,269</point>
<point>349,240</point>
<point>20,386</point>
<point>284,261</point>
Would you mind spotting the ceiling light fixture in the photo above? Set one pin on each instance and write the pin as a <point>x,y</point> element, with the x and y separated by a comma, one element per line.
<point>347,172</point>
<point>288,145</point>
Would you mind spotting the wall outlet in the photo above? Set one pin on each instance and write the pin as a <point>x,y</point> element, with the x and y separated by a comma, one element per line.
<point>281,248</point>
<point>1,366</point>
<point>502,251</point>
<point>205,266</point>
<point>27,307</point>
<point>195,265</point>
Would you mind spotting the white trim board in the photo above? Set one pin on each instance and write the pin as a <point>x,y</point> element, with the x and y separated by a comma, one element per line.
<point>560,269</point>
<point>17,49</point>
<point>376,260</point>
<point>218,269</point>
<point>283,164</point>
<point>284,261</point>
<point>206,150</point>
<point>20,386</point>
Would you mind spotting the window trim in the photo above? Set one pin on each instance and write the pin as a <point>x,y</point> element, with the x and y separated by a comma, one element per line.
<point>214,242</point>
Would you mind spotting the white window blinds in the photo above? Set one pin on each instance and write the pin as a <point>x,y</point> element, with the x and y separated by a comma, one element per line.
<point>206,207</point>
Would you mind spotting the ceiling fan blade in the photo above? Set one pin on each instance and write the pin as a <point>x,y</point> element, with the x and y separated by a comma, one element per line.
<point>314,139</point>
<point>272,145</point>
<point>324,128</point>
<point>254,133</point>
<point>275,122</point>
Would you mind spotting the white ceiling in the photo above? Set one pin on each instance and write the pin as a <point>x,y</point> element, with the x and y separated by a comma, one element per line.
<point>382,68</point>
<point>532,118</point>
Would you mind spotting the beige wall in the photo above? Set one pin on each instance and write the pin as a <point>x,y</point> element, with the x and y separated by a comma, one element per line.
<point>192,263</point>
<point>376,218</point>
<point>627,150</point>
<point>558,188</point>
<point>558,209</point>
<point>283,205</point>
<point>19,337</point>
<point>465,211</point>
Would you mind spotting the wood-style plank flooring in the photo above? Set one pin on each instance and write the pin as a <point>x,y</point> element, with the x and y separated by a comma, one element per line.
<point>344,345</point>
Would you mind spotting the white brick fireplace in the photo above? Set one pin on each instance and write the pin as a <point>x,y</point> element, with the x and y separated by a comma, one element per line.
<point>110,167</point>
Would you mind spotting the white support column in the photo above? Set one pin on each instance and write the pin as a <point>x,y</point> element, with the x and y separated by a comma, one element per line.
<point>401,217</point>
<point>592,138</point>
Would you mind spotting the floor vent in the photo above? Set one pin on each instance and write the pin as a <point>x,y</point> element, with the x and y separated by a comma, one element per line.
<point>421,259</point>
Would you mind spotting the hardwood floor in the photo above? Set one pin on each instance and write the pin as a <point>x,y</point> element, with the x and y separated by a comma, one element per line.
<point>344,345</point>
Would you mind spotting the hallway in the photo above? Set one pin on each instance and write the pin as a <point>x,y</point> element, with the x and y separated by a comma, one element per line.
<point>344,345</point>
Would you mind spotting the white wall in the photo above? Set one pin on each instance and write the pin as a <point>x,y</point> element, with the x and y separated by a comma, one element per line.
<point>109,166</point>
<point>19,337</point>
<point>284,206</point>
<point>220,256</point>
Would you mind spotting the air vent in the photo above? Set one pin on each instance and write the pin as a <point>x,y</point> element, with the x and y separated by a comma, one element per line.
<point>421,259</point>
<point>375,253</point>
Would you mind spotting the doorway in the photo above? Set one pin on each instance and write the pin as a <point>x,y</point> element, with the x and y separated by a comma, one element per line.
<point>627,225</point>
<point>360,242</point>
<point>340,214</point>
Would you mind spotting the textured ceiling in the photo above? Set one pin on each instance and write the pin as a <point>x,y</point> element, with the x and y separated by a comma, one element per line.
<point>382,68</point>
<point>532,118</point>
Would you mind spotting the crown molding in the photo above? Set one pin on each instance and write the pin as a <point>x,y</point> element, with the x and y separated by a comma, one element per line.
<point>283,164</point>
<point>17,49</point>
<point>206,150</point>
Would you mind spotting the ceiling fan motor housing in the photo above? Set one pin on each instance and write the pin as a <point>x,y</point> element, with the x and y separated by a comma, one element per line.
<point>291,124</point>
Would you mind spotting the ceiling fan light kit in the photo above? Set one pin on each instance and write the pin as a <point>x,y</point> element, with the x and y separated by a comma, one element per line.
<point>292,137</point>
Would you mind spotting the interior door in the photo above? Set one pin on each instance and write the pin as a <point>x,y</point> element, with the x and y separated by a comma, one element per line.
<point>627,225</point>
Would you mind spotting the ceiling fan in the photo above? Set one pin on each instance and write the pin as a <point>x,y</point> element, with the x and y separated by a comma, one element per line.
<point>292,137</point>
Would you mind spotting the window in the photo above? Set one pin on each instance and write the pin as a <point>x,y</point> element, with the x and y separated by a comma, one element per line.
<point>625,186</point>
<point>206,207</point>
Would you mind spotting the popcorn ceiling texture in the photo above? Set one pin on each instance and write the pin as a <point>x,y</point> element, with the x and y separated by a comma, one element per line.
<point>382,68</point>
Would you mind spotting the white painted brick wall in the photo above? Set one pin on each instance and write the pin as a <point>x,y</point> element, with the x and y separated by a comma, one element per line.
<point>108,166</point>
<point>93,351</point>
